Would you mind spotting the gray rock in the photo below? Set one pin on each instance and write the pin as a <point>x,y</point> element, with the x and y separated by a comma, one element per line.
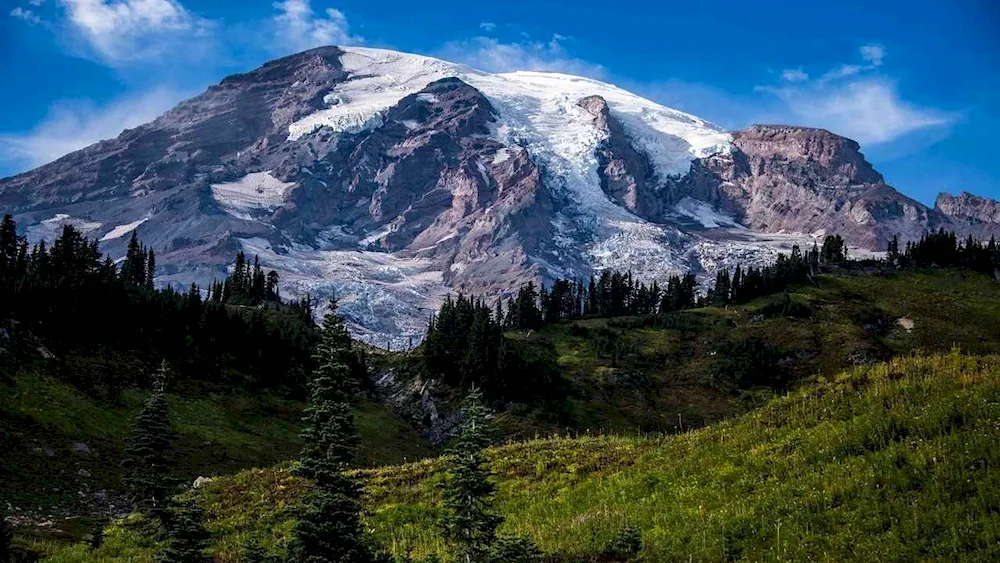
<point>81,450</point>
<point>201,481</point>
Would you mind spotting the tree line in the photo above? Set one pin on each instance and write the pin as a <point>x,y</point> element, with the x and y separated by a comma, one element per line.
<point>944,249</point>
<point>107,326</point>
<point>465,344</point>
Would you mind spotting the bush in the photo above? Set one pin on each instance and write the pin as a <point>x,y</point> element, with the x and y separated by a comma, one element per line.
<point>624,546</point>
<point>514,549</point>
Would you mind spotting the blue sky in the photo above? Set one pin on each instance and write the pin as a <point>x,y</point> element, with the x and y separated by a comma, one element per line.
<point>916,83</point>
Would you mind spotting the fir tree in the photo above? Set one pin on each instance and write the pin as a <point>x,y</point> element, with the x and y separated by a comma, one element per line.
<point>150,269</point>
<point>254,553</point>
<point>145,464</point>
<point>187,537</point>
<point>329,528</point>
<point>470,522</point>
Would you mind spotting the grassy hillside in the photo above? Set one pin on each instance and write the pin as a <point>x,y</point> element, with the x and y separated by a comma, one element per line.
<point>893,462</point>
<point>629,374</point>
<point>41,419</point>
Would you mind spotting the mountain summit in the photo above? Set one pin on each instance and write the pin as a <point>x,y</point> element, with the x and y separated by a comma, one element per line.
<point>393,179</point>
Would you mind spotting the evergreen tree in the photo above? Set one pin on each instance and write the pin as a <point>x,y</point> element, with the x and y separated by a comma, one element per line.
<point>145,464</point>
<point>329,528</point>
<point>150,269</point>
<point>892,253</point>
<point>470,522</point>
<point>187,537</point>
<point>254,553</point>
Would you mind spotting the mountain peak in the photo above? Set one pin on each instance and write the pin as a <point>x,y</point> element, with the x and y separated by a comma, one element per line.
<point>392,179</point>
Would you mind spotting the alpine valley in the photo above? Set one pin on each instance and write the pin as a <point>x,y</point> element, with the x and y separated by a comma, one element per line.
<point>393,180</point>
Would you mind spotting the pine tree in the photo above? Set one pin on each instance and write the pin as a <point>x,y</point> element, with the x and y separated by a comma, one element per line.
<point>187,536</point>
<point>150,269</point>
<point>145,464</point>
<point>329,528</point>
<point>470,523</point>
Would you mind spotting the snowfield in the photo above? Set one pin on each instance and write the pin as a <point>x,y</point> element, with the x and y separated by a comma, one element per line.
<point>704,214</point>
<point>254,193</point>
<point>50,229</point>
<point>122,230</point>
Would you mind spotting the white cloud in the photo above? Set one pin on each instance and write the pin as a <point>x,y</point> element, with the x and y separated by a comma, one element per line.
<point>488,26</point>
<point>124,31</point>
<point>873,54</point>
<point>36,3</point>
<point>794,75</point>
<point>852,100</point>
<point>869,110</point>
<point>492,55</point>
<point>26,15</point>
<point>297,28</point>
<point>73,124</point>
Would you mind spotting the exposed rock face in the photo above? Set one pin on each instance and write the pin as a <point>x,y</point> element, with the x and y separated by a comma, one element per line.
<point>969,209</point>
<point>799,179</point>
<point>626,174</point>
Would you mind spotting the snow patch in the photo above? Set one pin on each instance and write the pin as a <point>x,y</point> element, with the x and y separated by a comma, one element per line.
<point>502,155</point>
<point>704,214</point>
<point>426,97</point>
<point>254,193</point>
<point>50,229</point>
<point>122,230</point>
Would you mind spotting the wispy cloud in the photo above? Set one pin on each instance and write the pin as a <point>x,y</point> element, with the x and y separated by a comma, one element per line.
<point>26,15</point>
<point>487,26</point>
<point>492,55</point>
<point>298,28</point>
<point>870,110</point>
<point>73,124</point>
<point>873,54</point>
<point>794,75</point>
<point>855,100</point>
<point>126,31</point>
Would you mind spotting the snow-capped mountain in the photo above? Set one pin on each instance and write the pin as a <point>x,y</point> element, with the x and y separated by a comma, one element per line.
<point>393,179</point>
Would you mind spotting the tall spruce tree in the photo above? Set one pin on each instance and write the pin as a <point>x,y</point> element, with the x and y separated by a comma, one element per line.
<point>470,522</point>
<point>187,536</point>
<point>146,452</point>
<point>329,527</point>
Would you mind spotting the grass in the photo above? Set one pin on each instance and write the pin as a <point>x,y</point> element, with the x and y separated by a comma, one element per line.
<point>897,461</point>
<point>41,419</point>
<point>661,377</point>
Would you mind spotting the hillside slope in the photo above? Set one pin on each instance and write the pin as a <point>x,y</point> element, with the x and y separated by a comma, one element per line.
<point>63,449</point>
<point>893,462</point>
<point>690,368</point>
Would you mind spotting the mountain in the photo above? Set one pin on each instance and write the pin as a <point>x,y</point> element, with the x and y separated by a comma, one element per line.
<point>393,179</point>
